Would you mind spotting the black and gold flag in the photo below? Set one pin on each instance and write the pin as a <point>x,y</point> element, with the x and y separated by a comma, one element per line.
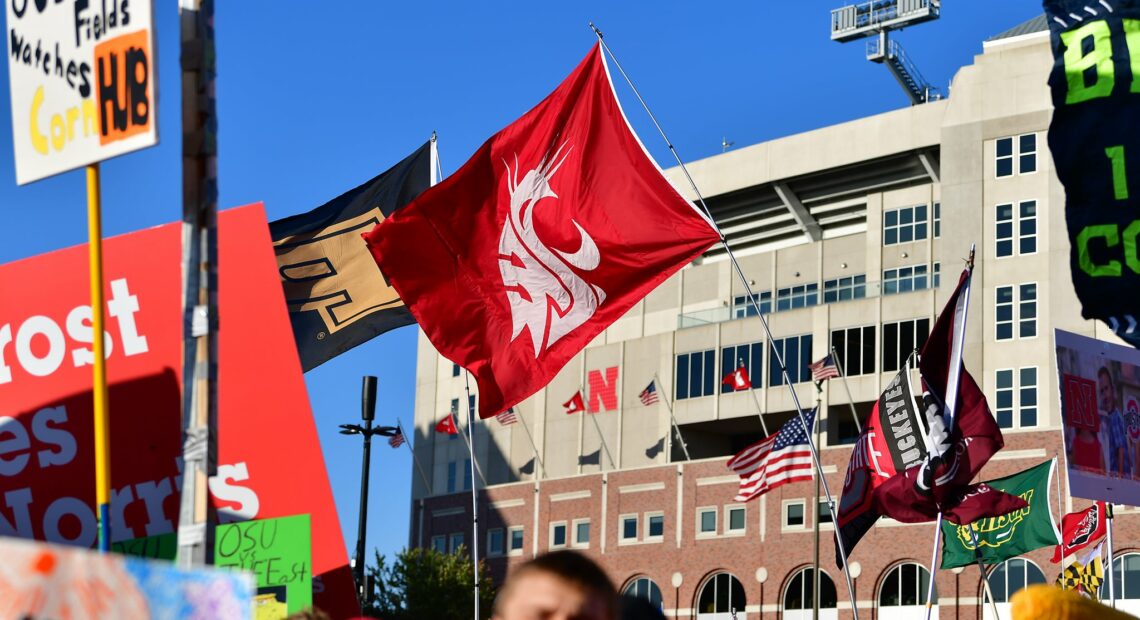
<point>336,294</point>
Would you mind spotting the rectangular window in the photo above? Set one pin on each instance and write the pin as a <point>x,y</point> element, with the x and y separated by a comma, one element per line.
<point>454,414</point>
<point>734,518</point>
<point>629,527</point>
<point>855,349</point>
<point>1021,150</point>
<point>742,308</point>
<point>439,543</point>
<point>845,289</point>
<point>796,353</point>
<point>937,224</point>
<point>1003,313</point>
<point>751,355</point>
<point>937,277</point>
<point>824,513</point>
<point>1021,310</point>
<point>1027,310</point>
<point>706,521</point>
<point>655,525</point>
<point>901,339</point>
<point>904,225</point>
<point>794,515</point>
<point>907,279</point>
<point>455,370</point>
<point>1019,397</point>
<point>454,542</point>
<point>557,535</point>
<point>495,541</point>
<point>466,474</point>
<point>516,539</point>
<point>1016,228</point>
<point>802,296</point>
<point>582,533</point>
<point>695,373</point>
<point>451,476</point>
<point>471,406</point>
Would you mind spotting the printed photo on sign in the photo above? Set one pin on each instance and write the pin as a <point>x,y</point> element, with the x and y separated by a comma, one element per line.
<point>1100,393</point>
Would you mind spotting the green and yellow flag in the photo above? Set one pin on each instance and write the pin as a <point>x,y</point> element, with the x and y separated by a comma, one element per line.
<point>1009,535</point>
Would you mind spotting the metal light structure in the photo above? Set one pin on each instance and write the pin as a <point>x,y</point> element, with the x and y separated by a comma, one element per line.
<point>367,413</point>
<point>874,20</point>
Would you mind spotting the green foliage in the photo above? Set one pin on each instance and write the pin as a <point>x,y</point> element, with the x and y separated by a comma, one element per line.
<point>424,583</point>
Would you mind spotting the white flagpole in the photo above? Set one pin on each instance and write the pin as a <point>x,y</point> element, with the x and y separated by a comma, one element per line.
<point>542,468</point>
<point>423,476</point>
<point>1060,512</point>
<point>981,568</point>
<point>474,490</point>
<point>763,320</point>
<point>756,399</point>
<point>1111,572</point>
<point>672,418</point>
<point>474,464</point>
<point>586,412</point>
<point>951,397</point>
<point>850,399</point>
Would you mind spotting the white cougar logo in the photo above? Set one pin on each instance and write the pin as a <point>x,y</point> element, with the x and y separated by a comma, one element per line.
<point>545,294</point>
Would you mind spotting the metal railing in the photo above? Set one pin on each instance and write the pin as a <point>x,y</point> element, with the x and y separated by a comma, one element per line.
<point>865,14</point>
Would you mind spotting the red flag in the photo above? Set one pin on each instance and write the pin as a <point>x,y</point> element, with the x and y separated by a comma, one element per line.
<point>576,404</point>
<point>555,227</point>
<point>738,379</point>
<point>975,436</point>
<point>1081,529</point>
<point>447,425</point>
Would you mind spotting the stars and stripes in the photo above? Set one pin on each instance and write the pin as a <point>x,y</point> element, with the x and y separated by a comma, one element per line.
<point>648,396</point>
<point>824,369</point>
<point>507,417</point>
<point>774,461</point>
<point>397,440</point>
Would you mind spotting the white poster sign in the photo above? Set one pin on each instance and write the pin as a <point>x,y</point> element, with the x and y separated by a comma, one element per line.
<point>82,79</point>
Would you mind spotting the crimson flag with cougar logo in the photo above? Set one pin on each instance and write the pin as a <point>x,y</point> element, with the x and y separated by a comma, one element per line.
<point>555,227</point>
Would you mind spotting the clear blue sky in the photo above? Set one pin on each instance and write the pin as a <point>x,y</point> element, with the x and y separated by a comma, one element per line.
<point>317,97</point>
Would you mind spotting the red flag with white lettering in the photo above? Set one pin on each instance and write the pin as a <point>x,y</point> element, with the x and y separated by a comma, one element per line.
<point>555,227</point>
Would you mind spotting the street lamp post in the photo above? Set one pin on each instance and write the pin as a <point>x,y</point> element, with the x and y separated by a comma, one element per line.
<point>367,413</point>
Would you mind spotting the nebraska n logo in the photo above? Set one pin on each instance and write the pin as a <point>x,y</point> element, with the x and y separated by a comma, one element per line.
<point>545,294</point>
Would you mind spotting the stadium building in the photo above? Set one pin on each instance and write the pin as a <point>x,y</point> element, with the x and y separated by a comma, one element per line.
<point>852,236</point>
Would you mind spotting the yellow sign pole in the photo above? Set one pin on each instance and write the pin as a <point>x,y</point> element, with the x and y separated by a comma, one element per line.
<point>99,383</point>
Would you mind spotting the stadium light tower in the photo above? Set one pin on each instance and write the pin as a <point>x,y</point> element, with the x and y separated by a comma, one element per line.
<point>874,20</point>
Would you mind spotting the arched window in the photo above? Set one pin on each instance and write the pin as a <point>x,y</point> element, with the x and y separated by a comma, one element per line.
<point>905,585</point>
<point>643,587</point>
<point>800,591</point>
<point>722,594</point>
<point>1126,573</point>
<point>1012,575</point>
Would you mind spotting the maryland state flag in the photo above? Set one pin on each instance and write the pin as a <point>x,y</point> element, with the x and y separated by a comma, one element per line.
<point>892,441</point>
<point>336,296</point>
<point>1085,578</point>
<point>1009,535</point>
<point>548,234</point>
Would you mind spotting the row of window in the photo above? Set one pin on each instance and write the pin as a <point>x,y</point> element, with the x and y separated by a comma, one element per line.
<point>907,224</point>
<point>898,280</point>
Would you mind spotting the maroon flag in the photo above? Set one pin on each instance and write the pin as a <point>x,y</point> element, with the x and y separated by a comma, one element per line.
<point>975,435</point>
<point>1080,530</point>
<point>553,230</point>
<point>960,505</point>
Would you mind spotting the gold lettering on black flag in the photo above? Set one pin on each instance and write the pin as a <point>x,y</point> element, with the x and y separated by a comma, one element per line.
<point>336,295</point>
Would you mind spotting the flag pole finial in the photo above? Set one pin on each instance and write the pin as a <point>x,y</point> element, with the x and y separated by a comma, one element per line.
<point>433,136</point>
<point>970,260</point>
<point>596,31</point>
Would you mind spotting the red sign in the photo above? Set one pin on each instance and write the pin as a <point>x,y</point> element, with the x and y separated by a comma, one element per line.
<point>269,459</point>
<point>1080,401</point>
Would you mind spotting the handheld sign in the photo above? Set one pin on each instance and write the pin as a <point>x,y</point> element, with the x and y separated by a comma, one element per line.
<point>82,79</point>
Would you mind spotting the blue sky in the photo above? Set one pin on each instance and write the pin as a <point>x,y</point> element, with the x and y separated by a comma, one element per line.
<point>317,97</point>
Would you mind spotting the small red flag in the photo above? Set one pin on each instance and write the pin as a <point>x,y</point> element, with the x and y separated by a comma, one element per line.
<point>447,425</point>
<point>552,231</point>
<point>1081,529</point>
<point>576,404</point>
<point>738,379</point>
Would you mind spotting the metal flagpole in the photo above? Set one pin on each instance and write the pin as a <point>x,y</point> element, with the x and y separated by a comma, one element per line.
<point>597,426</point>
<point>1060,512</point>
<point>755,398</point>
<point>470,441</point>
<point>1111,571</point>
<point>755,304</point>
<point>850,398</point>
<point>423,476</point>
<point>951,396</point>
<point>672,418</point>
<point>474,491</point>
<point>99,367</point>
<point>981,567</point>
<point>537,458</point>
<point>815,519</point>
<point>200,277</point>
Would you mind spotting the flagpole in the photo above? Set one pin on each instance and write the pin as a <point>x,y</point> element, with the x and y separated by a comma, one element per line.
<point>951,401</point>
<point>815,520</point>
<point>1060,512</point>
<point>474,491</point>
<point>672,418</point>
<point>474,464</point>
<point>850,398</point>
<point>538,459</point>
<point>1111,571</point>
<point>763,320</point>
<point>981,567</point>
<point>756,399</point>
<point>423,476</point>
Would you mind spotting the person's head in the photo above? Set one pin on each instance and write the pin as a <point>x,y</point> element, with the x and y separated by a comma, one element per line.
<point>562,585</point>
<point>1106,389</point>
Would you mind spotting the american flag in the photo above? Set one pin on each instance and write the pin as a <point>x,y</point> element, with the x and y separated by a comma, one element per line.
<point>648,396</point>
<point>396,440</point>
<point>507,417</point>
<point>824,369</point>
<point>774,461</point>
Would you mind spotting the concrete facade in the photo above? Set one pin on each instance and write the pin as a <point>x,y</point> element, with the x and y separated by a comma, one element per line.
<point>826,206</point>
